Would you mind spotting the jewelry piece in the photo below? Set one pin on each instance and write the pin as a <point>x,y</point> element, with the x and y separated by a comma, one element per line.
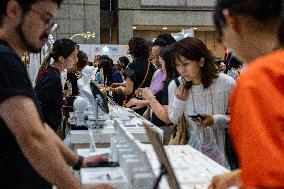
<point>78,74</point>
<point>69,88</point>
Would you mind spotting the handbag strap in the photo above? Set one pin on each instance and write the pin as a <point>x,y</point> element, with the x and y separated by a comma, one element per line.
<point>145,75</point>
<point>143,79</point>
<point>177,81</point>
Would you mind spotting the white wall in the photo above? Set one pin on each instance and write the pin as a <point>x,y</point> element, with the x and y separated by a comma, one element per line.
<point>113,51</point>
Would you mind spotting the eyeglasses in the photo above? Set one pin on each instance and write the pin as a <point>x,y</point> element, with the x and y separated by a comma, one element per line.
<point>48,20</point>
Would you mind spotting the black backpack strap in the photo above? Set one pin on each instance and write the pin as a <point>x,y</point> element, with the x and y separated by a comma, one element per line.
<point>177,81</point>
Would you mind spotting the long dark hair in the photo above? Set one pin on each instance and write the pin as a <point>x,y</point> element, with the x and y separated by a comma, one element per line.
<point>167,54</point>
<point>259,10</point>
<point>194,49</point>
<point>105,65</point>
<point>61,47</point>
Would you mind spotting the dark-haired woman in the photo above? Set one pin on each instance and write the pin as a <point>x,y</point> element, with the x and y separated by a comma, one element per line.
<point>48,83</point>
<point>138,74</point>
<point>203,91</point>
<point>156,97</point>
<point>124,61</point>
<point>74,74</point>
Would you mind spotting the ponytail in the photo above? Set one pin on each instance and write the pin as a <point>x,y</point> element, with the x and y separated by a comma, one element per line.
<point>43,66</point>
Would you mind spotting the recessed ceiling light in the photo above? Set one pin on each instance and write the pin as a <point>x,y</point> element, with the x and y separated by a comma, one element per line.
<point>134,27</point>
<point>165,28</point>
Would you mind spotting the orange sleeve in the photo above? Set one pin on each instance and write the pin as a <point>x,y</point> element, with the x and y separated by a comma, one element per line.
<point>257,129</point>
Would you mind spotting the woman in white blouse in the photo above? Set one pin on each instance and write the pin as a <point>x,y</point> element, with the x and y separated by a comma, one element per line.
<point>204,91</point>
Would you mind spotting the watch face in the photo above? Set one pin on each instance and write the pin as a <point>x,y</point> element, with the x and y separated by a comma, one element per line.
<point>98,95</point>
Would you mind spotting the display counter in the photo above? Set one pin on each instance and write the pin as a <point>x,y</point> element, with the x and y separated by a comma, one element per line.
<point>102,134</point>
<point>139,165</point>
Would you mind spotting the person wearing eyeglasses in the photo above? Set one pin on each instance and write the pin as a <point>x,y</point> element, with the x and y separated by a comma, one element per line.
<point>32,156</point>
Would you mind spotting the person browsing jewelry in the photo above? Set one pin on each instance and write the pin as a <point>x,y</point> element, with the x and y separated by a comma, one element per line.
<point>204,91</point>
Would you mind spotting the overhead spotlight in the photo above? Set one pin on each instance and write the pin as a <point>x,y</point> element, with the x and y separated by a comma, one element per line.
<point>195,28</point>
<point>165,28</point>
<point>134,27</point>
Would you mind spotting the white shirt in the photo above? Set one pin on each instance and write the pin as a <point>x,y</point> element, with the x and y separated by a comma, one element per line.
<point>200,100</point>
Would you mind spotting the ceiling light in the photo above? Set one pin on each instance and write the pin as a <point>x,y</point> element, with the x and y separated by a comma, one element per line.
<point>195,28</point>
<point>165,28</point>
<point>134,27</point>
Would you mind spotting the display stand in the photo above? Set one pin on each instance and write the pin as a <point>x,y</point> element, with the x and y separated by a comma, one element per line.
<point>158,179</point>
<point>166,168</point>
<point>98,101</point>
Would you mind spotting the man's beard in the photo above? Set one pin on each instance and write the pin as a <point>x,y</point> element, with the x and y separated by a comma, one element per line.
<point>29,47</point>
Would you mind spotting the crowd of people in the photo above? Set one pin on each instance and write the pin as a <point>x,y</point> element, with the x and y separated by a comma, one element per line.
<point>238,99</point>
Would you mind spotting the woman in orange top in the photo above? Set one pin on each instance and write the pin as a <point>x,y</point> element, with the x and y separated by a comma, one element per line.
<point>250,28</point>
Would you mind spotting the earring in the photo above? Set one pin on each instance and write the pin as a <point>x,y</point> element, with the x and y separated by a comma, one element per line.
<point>202,61</point>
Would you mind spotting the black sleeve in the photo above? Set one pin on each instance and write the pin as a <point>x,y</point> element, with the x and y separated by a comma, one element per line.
<point>14,79</point>
<point>129,72</point>
<point>162,96</point>
<point>49,90</point>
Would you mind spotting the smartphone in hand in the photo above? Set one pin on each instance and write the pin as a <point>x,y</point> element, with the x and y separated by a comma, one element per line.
<point>104,164</point>
<point>196,117</point>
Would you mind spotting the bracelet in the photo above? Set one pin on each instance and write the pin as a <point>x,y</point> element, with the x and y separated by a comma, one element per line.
<point>79,163</point>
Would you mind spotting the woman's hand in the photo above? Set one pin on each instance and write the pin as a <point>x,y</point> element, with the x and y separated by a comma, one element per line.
<point>182,93</point>
<point>135,104</point>
<point>115,85</point>
<point>226,180</point>
<point>205,120</point>
<point>139,92</point>
<point>119,90</point>
<point>147,94</point>
<point>93,159</point>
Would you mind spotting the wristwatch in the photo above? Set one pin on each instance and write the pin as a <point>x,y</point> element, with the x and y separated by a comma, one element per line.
<point>79,163</point>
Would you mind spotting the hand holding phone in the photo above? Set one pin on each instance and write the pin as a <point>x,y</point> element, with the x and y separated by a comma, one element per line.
<point>205,120</point>
<point>104,164</point>
<point>196,117</point>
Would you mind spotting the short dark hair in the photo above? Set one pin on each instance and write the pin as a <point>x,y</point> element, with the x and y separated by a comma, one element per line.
<point>138,48</point>
<point>149,43</point>
<point>160,42</point>
<point>124,60</point>
<point>259,10</point>
<point>194,49</point>
<point>25,4</point>
<point>167,37</point>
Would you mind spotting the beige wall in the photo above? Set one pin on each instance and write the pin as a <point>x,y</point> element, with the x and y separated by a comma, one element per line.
<point>210,39</point>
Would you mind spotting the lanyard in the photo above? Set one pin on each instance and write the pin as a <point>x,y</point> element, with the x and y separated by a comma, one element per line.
<point>206,131</point>
<point>194,105</point>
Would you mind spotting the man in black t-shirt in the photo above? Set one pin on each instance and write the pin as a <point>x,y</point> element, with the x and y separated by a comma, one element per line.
<point>31,155</point>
